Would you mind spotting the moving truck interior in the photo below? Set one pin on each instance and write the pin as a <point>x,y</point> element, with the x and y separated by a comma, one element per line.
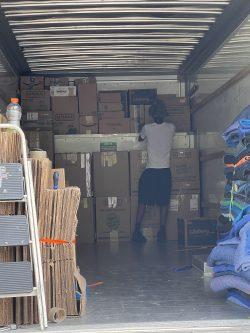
<point>86,73</point>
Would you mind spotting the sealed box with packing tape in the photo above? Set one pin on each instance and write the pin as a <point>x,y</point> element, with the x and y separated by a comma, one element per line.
<point>113,219</point>
<point>77,170</point>
<point>185,170</point>
<point>88,124</point>
<point>111,174</point>
<point>181,206</point>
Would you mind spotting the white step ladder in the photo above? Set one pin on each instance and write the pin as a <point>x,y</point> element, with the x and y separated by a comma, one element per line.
<point>16,278</point>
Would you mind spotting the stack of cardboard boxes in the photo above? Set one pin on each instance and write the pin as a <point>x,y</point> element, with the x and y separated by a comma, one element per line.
<point>178,112</point>
<point>37,114</point>
<point>108,179</point>
<point>109,184</point>
<point>87,100</point>
<point>113,112</point>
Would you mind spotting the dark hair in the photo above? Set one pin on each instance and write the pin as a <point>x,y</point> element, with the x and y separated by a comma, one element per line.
<point>158,110</point>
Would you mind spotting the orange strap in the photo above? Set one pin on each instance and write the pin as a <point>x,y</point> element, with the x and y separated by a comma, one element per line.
<point>242,161</point>
<point>56,241</point>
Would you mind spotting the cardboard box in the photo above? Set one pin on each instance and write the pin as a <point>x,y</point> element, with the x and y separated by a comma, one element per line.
<point>77,170</point>
<point>110,107</point>
<point>113,219</point>
<point>32,83</point>
<point>137,112</point>
<point>114,126</point>
<point>111,174</point>
<point>87,94</point>
<point>185,170</point>
<point>86,222</point>
<point>65,115</point>
<point>181,121</point>
<point>111,115</point>
<point>151,221</point>
<point>40,119</point>
<point>30,94</point>
<point>120,97</point>
<point>55,81</point>
<point>197,232</point>
<point>142,96</point>
<point>181,206</point>
<point>37,103</point>
<point>66,127</point>
<point>172,100</point>
<point>62,91</point>
<point>41,140</point>
<point>88,124</point>
<point>138,162</point>
<point>110,97</point>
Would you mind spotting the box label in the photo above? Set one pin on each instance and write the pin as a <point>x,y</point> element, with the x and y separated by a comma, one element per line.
<point>31,116</point>
<point>88,175</point>
<point>174,205</point>
<point>114,236</point>
<point>62,91</point>
<point>108,146</point>
<point>194,203</point>
<point>85,203</point>
<point>108,159</point>
<point>83,163</point>
<point>112,202</point>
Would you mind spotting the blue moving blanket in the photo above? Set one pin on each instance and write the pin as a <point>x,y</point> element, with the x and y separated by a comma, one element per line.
<point>221,255</point>
<point>227,282</point>
<point>238,129</point>
<point>230,269</point>
<point>242,254</point>
<point>239,298</point>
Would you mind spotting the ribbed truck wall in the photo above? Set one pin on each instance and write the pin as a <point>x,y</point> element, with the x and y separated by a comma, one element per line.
<point>210,121</point>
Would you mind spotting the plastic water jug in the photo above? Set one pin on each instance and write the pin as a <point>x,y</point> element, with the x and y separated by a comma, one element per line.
<point>14,112</point>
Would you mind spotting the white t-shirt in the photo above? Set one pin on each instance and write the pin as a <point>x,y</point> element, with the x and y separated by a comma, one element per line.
<point>159,138</point>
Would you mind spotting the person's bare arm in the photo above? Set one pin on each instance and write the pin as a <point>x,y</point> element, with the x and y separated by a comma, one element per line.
<point>140,139</point>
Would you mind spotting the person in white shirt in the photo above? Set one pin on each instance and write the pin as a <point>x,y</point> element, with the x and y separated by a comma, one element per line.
<point>155,182</point>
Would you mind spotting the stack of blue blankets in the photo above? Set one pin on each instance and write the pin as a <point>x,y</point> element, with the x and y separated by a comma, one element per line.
<point>230,259</point>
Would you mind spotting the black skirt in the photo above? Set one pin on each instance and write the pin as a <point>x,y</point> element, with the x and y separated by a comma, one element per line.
<point>155,187</point>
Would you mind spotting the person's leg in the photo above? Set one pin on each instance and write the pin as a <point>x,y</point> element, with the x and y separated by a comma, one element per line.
<point>140,214</point>
<point>137,235</point>
<point>163,216</point>
<point>164,185</point>
<point>161,236</point>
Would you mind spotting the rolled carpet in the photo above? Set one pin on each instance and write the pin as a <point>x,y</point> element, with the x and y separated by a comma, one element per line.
<point>226,282</point>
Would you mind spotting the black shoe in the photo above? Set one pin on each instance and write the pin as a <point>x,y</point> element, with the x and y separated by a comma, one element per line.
<point>138,237</point>
<point>161,236</point>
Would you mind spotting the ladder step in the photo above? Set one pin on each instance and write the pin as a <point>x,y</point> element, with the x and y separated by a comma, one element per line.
<point>24,199</point>
<point>31,294</point>
<point>16,278</point>
<point>11,181</point>
<point>14,230</point>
